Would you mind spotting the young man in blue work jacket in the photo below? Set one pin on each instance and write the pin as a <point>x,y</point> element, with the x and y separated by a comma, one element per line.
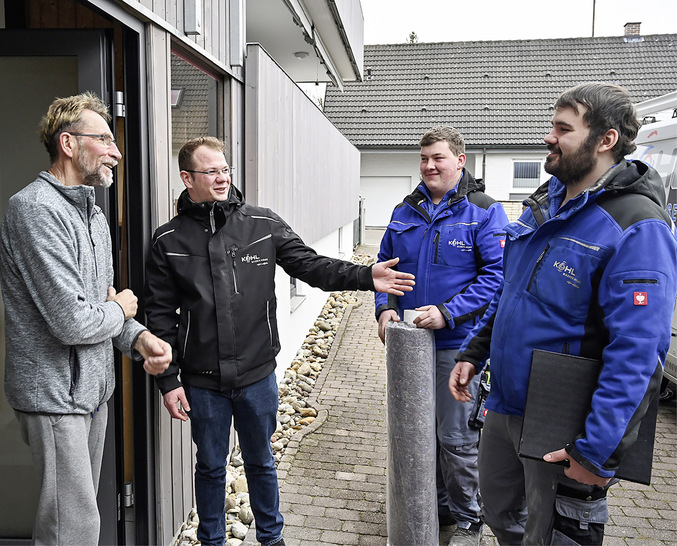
<point>590,270</point>
<point>451,236</point>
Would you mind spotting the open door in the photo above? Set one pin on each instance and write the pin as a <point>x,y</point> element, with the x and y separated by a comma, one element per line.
<point>36,67</point>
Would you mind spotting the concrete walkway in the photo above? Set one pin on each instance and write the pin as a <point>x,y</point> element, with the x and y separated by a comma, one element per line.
<point>333,476</point>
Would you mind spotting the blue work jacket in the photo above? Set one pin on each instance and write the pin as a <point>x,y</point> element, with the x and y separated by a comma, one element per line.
<point>595,277</point>
<point>456,255</point>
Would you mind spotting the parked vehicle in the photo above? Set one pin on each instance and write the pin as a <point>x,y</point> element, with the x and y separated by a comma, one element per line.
<point>657,146</point>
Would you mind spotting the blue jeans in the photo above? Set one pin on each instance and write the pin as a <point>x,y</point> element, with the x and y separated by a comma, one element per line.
<point>253,409</point>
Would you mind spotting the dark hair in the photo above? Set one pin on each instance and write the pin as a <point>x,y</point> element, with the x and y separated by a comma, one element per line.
<point>188,149</point>
<point>445,133</point>
<point>608,106</point>
<point>66,113</point>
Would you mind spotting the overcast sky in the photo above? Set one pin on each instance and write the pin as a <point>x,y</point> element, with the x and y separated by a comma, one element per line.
<point>391,21</point>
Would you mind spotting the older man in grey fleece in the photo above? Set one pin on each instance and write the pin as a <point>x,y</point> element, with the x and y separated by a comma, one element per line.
<point>63,317</point>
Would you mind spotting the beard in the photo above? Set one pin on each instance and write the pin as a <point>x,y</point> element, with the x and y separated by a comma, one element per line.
<point>572,167</point>
<point>94,176</point>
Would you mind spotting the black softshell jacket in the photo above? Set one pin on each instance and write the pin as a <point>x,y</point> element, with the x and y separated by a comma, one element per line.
<point>210,289</point>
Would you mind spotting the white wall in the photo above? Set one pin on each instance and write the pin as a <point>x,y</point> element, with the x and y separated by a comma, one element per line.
<point>381,170</point>
<point>293,326</point>
<point>385,179</point>
<point>499,171</point>
<point>498,168</point>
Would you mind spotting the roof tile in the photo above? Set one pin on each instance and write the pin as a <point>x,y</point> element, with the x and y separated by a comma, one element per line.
<point>496,93</point>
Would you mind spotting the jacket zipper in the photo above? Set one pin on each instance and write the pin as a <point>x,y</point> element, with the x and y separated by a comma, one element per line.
<point>185,340</point>
<point>538,262</point>
<point>235,287</point>
<point>212,223</point>
<point>436,243</point>
<point>91,240</point>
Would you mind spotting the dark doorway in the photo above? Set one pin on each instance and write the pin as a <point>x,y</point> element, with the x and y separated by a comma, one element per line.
<point>36,67</point>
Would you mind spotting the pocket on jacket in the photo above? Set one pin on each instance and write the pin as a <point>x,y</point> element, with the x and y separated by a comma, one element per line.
<point>406,241</point>
<point>563,278</point>
<point>271,318</point>
<point>456,247</point>
<point>75,370</point>
<point>184,332</point>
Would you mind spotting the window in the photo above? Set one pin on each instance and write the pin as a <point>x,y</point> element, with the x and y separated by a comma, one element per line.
<point>197,97</point>
<point>341,248</point>
<point>296,298</point>
<point>526,174</point>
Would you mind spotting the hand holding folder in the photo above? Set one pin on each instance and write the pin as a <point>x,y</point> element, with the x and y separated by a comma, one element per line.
<point>558,402</point>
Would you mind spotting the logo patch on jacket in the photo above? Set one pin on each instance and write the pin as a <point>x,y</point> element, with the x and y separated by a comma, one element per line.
<point>254,259</point>
<point>568,272</point>
<point>640,298</point>
<point>460,245</point>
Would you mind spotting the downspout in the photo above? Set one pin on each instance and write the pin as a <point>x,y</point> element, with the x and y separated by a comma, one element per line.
<point>484,164</point>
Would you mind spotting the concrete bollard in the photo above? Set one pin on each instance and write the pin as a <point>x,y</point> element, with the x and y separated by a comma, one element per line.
<point>411,500</point>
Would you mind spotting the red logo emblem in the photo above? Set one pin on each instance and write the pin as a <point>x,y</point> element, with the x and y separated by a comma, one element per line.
<point>640,298</point>
<point>502,243</point>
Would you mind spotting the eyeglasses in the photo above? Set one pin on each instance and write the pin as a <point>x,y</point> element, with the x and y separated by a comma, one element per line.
<point>214,172</point>
<point>106,140</point>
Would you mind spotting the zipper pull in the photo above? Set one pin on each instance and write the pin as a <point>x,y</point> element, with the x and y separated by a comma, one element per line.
<point>212,224</point>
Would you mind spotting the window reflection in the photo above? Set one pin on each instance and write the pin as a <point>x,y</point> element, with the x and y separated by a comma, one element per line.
<point>195,109</point>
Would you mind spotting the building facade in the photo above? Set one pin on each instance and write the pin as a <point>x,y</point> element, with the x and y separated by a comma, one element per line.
<point>172,70</point>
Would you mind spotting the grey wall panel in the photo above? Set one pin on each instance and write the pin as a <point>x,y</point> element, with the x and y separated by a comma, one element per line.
<point>297,162</point>
<point>170,15</point>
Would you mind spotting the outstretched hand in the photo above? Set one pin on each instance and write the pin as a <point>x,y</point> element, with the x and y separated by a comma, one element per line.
<point>390,280</point>
<point>575,471</point>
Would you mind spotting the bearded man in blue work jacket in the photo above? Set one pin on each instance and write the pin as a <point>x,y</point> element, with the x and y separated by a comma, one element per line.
<point>605,217</point>
<point>451,236</point>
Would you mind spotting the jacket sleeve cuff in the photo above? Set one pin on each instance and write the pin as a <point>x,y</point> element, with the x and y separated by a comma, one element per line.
<point>365,279</point>
<point>465,357</point>
<point>135,354</point>
<point>168,383</point>
<point>576,456</point>
<point>385,307</point>
<point>447,316</point>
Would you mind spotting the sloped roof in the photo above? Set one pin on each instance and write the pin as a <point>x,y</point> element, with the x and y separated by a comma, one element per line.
<point>190,118</point>
<point>496,93</point>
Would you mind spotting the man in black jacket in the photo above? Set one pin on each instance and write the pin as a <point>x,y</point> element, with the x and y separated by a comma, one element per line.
<point>215,263</point>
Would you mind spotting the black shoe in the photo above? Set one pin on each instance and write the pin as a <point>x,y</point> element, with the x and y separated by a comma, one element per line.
<point>278,542</point>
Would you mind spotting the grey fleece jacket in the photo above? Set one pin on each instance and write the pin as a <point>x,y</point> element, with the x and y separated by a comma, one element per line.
<point>56,267</point>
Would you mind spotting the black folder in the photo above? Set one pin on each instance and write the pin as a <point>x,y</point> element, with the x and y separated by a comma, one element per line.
<point>558,402</point>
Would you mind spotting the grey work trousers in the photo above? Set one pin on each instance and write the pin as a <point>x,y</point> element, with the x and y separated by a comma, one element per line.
<point>523,499</point>
<point>67,452</point>
<point>458,494</point>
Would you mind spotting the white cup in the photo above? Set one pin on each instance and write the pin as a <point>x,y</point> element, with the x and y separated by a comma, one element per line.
<point>410,315</point>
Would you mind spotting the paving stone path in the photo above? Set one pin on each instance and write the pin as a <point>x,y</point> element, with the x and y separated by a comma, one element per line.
<point>333,477</point>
